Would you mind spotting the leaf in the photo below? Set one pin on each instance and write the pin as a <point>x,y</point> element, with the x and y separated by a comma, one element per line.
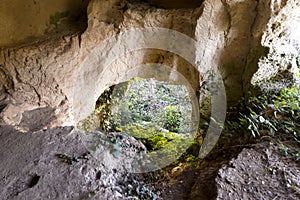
<point>252,112</point>
<point>261,119</point>
<point>253,133</point>
<point>275,114</point>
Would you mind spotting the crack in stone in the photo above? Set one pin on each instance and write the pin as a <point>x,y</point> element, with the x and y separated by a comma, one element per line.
<point>227,8</point>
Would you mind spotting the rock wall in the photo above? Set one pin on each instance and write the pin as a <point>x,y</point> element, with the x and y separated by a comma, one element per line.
<point>27,20</point>
<point>282,39</point>
<point>56,72</point>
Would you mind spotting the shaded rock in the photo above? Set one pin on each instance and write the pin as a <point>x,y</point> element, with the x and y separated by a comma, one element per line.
<point>37,119</point>
<point>259,173</point>
<point>55,165</point>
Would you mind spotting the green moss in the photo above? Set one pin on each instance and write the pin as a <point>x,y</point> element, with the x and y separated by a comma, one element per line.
<point>162,145</point>
<point>174,150</point>
<point>156,142</point>
<point>138,131</point>
<point>192,160</point>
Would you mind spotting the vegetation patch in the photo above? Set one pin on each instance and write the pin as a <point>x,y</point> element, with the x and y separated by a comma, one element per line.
<point>156,113</point>
<point>274,113</point>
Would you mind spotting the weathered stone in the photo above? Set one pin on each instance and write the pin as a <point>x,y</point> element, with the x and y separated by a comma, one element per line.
<point>258,172</point>
<point>282,39</point>
<point>62,73</point>
<point>54,165</point>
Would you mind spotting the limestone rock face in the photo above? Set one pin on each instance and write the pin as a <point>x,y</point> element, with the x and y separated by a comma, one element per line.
<point>282,39</point>
<point>67,75</point>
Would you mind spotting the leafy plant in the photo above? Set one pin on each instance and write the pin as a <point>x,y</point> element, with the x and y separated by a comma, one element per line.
<point>284,149</point>
<point>92,193</point>
<point>288,101</point>
<point>256,122</point>
<point>103,110</point>
<point>275,113</point>
<point>297,156</point>
<point>157,104</point>
<point>173,119</point>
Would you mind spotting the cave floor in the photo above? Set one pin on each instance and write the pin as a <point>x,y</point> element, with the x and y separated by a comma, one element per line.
<point>54,164</point>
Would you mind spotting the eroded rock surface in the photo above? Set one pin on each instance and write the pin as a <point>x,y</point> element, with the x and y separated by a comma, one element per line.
<point>51,73</point>
<point>282,39</point>
<point>259,173</point>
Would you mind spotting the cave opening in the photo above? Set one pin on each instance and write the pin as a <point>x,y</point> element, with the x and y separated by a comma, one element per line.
<point>145,101</point>
<point>153,112</point>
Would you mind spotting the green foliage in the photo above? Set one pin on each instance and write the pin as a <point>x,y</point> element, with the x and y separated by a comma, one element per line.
<point>92,193</point>
<point>166,145</point>
<point>276,113</point>
<point>101,116</point>
<point>151,139</point>
<point>173,119</point>
<point>256,122</point>
<point>288,101</point>
<point>297,156</point>
<point>152,104</point>
<point>287,150</point>
<point>172,150</point>
<point>284,149</point>
<point>184,150</point>
<point>156,142</point>
<point>157,104</point>
<point>103,110</point>
<point>157,114</point>
<point>89,123</point>
<point>192,160</point>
